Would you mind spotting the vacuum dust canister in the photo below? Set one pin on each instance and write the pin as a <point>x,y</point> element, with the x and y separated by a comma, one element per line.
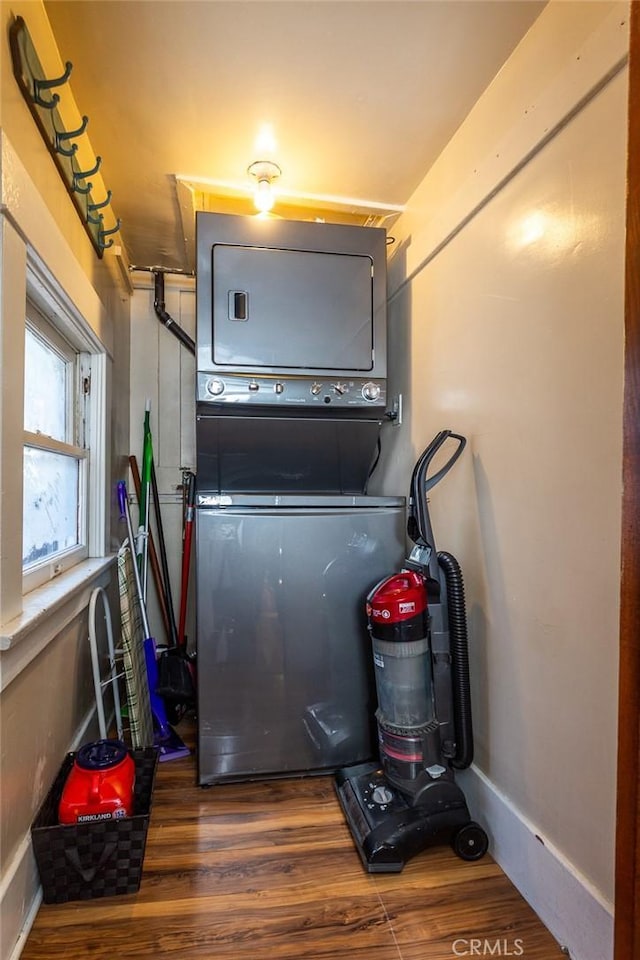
<point>398,618</point>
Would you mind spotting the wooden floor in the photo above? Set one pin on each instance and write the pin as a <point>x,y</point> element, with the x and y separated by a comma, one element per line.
<point>268,870</point>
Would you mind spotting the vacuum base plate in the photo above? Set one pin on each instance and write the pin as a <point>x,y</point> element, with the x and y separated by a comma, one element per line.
<point>386,829</point>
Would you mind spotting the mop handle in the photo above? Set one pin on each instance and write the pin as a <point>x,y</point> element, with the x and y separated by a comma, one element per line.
<point>186,556</point>
<point>123,502</point>
<point>153,555</point>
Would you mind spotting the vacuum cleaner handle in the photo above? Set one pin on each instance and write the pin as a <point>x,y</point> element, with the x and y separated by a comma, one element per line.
<point>419,525</point>
<point>424,462</point>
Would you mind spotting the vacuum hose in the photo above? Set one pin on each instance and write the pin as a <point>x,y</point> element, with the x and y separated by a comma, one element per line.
<point>459,660</point>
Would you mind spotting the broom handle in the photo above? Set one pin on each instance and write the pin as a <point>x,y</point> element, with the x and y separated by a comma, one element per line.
<point>153,556</point>
<point>123,500</point>
<point>173,632</point>
<point>147,458</point>
<point>186,558</point>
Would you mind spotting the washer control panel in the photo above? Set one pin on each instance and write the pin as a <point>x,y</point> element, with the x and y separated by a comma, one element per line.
<point>291,391</point>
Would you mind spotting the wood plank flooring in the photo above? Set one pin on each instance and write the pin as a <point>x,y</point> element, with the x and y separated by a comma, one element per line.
<point>268,871</point>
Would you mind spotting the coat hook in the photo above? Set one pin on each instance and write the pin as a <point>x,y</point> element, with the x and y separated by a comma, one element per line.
<point>83,174</point>
<point>97,219</point>
<point>103,203</point>
<point>105,233</point>
<point>47,104</point>
<point>68,135</point>
<point>39,85</point>
<point>84,190</point>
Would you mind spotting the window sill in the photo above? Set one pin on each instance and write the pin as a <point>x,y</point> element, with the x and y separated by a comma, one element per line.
<point>46,611</point>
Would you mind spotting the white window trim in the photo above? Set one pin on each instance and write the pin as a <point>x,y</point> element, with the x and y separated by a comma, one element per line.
<point>29,234</point>
<point>46,611</point>
<point>37,574</point>
<point>50,299</point>
<point>49,606</point>
<point>49,443</point>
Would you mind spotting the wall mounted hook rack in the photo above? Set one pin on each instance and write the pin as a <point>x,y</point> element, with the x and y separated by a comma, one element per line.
<point>105,233</point>
<point>39,84</point>
<point>79,175</point>
<point>61,136</point>
<point>63,143</point>
<point>103,203</point>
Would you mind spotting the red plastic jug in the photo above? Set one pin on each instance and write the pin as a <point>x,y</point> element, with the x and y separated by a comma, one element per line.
<point>100,784</point>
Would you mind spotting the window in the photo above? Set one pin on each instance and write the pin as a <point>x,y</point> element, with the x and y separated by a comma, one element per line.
<point>55,453</point>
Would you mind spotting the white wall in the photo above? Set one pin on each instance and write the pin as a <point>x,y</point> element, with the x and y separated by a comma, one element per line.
<point>506,325</point>
<point>164,374</point>
<point>46,688</point>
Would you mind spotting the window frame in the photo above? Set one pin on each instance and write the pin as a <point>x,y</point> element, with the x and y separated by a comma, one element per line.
<point>87,300</point>
<point>76,446</point>
<point>59,313</point>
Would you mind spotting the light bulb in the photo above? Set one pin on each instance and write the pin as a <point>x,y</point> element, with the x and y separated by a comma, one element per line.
<point>265,172</point>
<point>263,196</point>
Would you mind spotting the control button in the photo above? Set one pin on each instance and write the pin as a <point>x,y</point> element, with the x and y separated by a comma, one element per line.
<point>253,387</point>
<point>436,770</point>
<point>382,795</point>
<point>278,387</point>
<point>340,388</point>
<point>316,388</point>
<point>215,387</point>
<point>371,390</point>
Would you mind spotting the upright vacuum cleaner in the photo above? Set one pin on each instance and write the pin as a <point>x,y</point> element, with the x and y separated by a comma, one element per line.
<point>417,623</point>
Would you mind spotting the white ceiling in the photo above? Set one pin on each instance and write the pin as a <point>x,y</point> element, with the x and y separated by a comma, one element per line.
<point>361,97</point>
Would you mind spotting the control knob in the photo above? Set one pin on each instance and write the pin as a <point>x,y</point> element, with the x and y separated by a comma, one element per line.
<point>278,387</point>
<point>316,388</point>
<point>340,388</point>
<point>382,795</point>
<point>215,387</point>
<point>371,390</point>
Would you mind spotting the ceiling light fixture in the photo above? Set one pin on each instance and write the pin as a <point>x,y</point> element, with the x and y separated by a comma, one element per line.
<point>265,172</point>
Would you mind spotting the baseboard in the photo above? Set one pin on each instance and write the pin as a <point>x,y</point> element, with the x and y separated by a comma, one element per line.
<point>20,894</point>
<point>20,890</point>
<point>27,924</point>
<point>574,912</point>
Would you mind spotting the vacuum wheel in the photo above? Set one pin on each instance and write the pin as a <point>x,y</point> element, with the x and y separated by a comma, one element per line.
<point>470,842</point>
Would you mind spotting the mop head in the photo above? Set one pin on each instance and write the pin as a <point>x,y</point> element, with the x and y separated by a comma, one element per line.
<point>169,744</point>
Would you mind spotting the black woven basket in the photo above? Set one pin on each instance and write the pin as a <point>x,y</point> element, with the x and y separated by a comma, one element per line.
<point>104,858</point>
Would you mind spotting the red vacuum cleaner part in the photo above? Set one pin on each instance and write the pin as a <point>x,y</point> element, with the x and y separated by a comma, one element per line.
<point>401,597</point>
<point>100,784</point>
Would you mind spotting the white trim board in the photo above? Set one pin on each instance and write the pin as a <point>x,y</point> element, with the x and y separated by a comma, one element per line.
<point>20,888</point>
<point>47,611</point>
<point>570,907</point>
<point>20,898</point>
<point>26,929</point>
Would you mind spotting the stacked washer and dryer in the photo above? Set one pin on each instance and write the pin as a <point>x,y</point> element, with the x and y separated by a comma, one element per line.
<point>291,397</point>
